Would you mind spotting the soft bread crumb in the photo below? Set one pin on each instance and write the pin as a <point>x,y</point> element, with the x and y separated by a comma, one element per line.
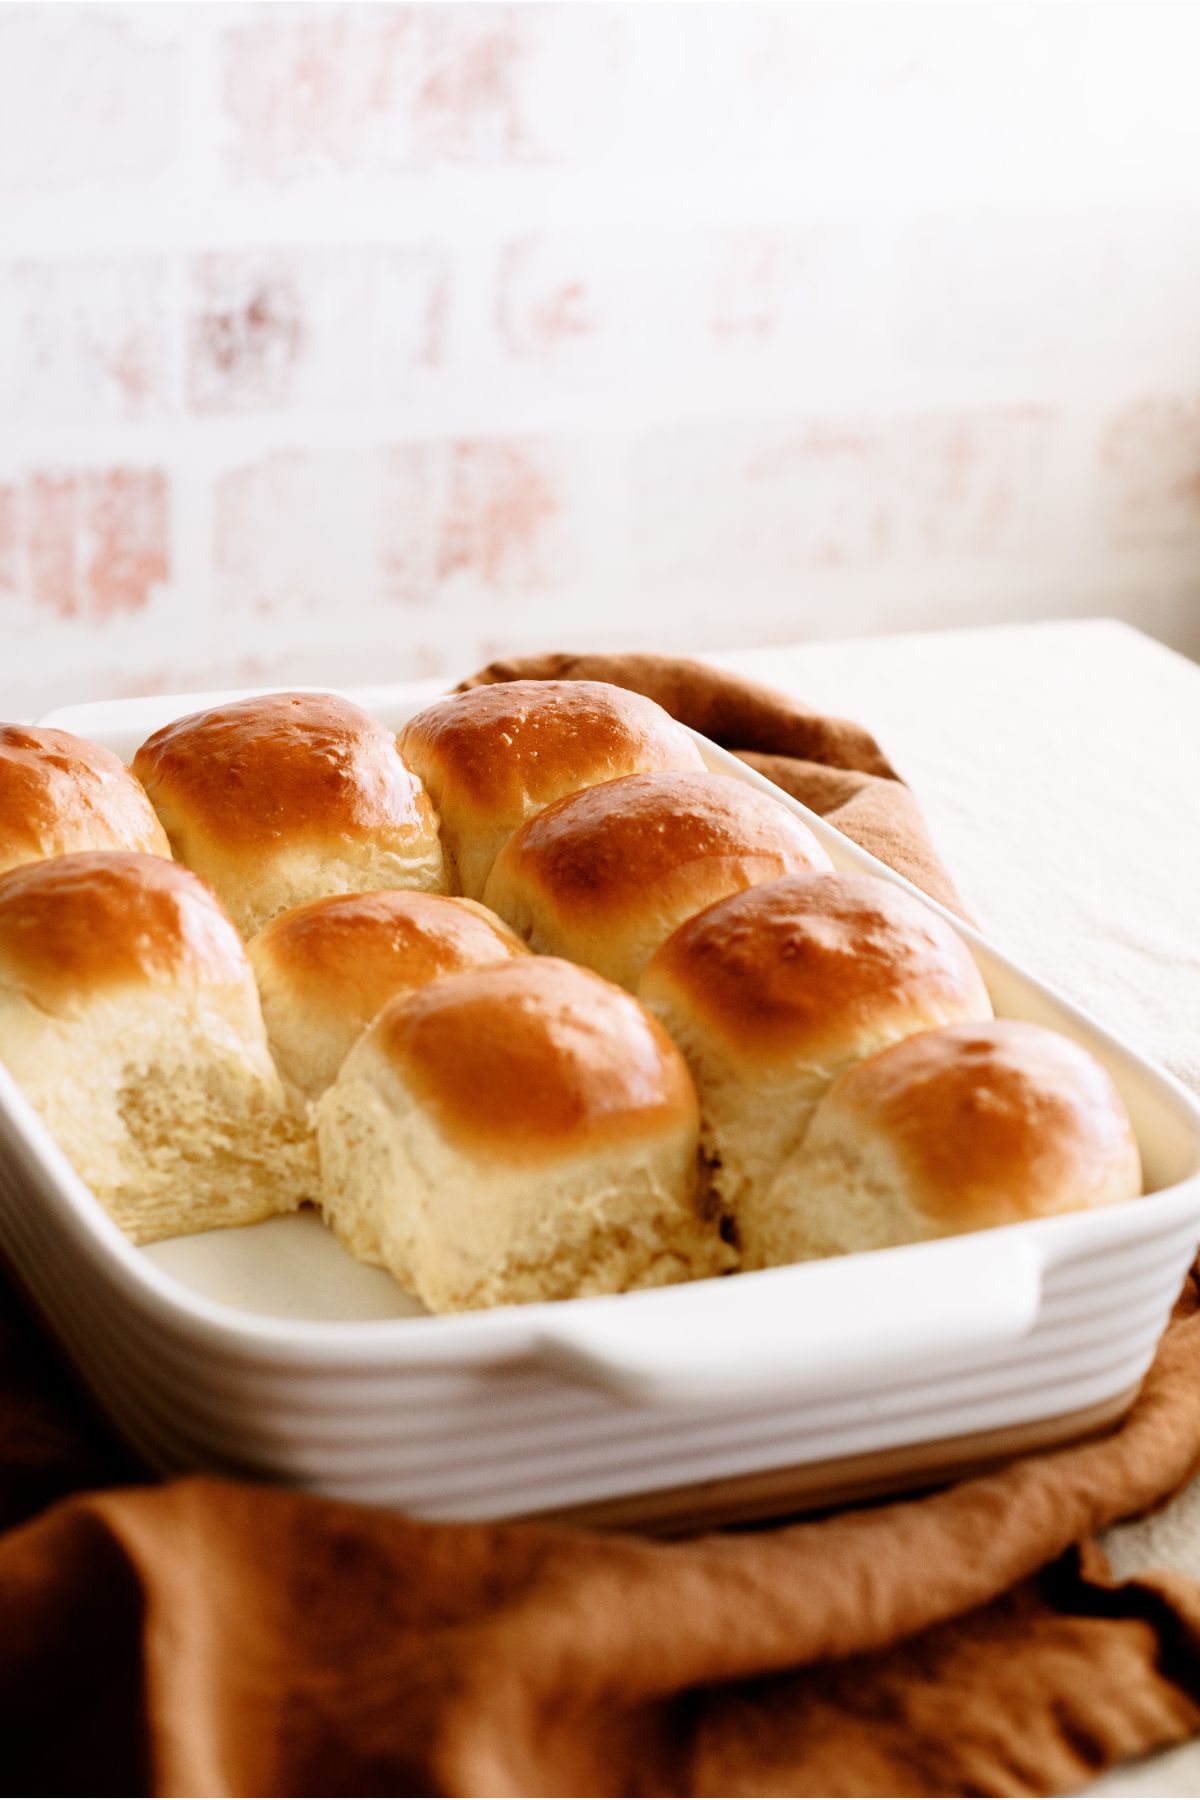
<point>458,1236</point>
<point>833,1199</point>
<point>746,1128</point>
<point>167,1105</point>
<point>206,1151</point>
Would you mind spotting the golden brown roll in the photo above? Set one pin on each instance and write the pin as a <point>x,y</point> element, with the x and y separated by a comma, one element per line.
<point>953,1130</point>
<point>525,1132</point>
<point>60,794</point>
<point>774,992</point>
<point>495,756</point>
<point>603,877</point>
<point>129,1016</point>
<point>288,797</point>
<point>325,969</point>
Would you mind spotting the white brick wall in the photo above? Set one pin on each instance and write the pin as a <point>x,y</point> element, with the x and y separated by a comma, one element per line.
<point>343,339</point>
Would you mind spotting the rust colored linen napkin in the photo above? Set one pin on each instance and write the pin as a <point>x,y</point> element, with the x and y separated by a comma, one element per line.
<point>830,765</point>
<point>210,1637</point>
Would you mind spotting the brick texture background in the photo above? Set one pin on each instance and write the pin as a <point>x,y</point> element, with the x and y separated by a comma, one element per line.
<point>347,341</point>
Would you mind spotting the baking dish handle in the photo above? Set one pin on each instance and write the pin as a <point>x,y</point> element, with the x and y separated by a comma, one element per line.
<point>808,1331</point>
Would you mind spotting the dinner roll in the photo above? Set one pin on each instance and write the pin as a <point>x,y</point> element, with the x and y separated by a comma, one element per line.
<point>525,1132</point>
<point>603,877</point>
<point>129,1016</point>
<point>60,793</point>
<point>773,992</point>
<point>325,969</point>
<point>493,757</point>
<point>953,1130</point>
<point>288,797</point>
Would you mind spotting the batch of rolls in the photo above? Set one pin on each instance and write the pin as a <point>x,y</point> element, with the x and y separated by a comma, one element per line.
<point>526,1001</point>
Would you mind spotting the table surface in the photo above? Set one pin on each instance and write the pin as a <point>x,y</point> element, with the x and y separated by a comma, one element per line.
<point>1057,766</point>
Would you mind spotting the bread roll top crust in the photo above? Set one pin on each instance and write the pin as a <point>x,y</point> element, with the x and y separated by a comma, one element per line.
<point>992,1120</point>
<point>792,965</point>
<point>76,925</point>
<point>498,749</point>
<point>283,767</point>
<point>535,1061</point>
<point>341,952</point>
<point>597,853</point>
<point>61,794</point>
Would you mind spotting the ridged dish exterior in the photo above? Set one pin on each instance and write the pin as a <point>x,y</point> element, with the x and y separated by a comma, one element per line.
<point>456,1442</point>
<point>379,1413</point>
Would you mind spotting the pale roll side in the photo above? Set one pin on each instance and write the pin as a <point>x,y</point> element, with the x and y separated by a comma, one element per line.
<point>525,1132</point>
<point>130,1019</point>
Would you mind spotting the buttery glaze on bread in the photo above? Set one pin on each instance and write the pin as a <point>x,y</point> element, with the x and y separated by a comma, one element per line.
<point>129,1017</point>
<point>525,1132</point>
<point>324,970</point>
<point>605,876</point>
<point>953,1130</point>
<point>288,797</point>
<point>493,757</point>
<point>774,992</point>
<point>60,794</point>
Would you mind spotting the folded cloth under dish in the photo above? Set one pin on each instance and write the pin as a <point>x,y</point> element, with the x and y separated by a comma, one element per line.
<point>206,1637</point>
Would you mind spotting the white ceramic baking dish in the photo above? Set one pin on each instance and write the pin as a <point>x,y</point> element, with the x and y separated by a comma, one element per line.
<point>268,1352</point>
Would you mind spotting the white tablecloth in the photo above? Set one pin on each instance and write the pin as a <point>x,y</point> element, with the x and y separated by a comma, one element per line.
<point>1059,769</point>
